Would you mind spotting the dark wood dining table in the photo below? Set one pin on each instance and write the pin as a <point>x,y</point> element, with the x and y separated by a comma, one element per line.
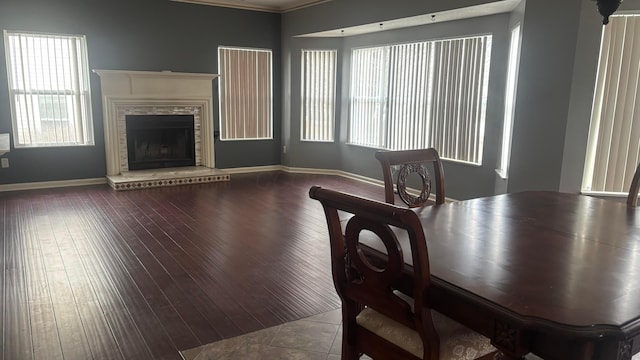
<point>548,273</point>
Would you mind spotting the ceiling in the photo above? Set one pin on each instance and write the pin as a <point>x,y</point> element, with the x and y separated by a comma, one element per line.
<point>259,5</point>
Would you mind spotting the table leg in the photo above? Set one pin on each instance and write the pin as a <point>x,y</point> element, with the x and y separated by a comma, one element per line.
<point>511,341</point>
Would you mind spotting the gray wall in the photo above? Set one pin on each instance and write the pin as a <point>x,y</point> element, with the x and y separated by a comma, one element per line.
<point>560,42</point>
<point>549,37</point>
<point>148,35</point>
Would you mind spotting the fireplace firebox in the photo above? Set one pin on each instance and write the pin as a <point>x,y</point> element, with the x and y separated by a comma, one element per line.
<point>160,141</point>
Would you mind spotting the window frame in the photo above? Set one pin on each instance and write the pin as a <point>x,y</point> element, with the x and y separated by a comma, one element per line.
<point>328,116</point>
<point>425,127</point>
<point>511,92</point>
<point>221,96</point>
<point>80,109</point>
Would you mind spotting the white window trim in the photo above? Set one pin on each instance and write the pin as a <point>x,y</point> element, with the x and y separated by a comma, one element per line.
<point>327,135</point>
<point>427,127</point>
<point>511,91</point>
<point>222,81</point>
<point>82,94</point>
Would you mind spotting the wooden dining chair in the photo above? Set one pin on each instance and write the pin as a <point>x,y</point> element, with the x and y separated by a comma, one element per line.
<point>632,198</point>
<point>377,319</point>
<point>397,166</point>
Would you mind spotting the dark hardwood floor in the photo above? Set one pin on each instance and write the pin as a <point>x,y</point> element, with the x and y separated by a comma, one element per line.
<point>91,273</point>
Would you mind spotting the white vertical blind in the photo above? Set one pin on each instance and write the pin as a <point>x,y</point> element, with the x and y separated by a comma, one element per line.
<point>49,89</point>
<point>613,149</point>
<point>407,96</point>
<point>369,85</point>
<point>318,95</point>
<point>426,94</point>
<point>245,93</point>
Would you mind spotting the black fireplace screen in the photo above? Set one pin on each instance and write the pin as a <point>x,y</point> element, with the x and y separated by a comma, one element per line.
<point>160,141</point>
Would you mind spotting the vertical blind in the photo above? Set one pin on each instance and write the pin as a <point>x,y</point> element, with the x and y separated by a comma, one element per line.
<point>49,89</point>
<point>613,149</point>
<point>369,85</point>
<point>318,95</point>
<point>426,94</point>
<point>245,93</point>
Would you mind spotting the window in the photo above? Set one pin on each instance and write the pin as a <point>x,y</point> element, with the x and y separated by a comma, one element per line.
<point>426,94</point>
<point>49,89</point>
<point>613,148</point>
<point>245,94</point>
<point>318,95</point>
<point>509,102</point>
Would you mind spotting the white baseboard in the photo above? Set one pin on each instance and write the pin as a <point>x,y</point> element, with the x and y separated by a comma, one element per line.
<point>297,170</point>
<point>253,169</point>
<point>52,184</point>
<point>243,170</point>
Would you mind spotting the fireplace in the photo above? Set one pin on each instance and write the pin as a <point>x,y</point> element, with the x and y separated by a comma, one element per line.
<point>160,141</point>
<point>141,151</point>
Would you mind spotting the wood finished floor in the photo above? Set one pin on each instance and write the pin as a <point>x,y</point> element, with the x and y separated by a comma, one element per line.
<point>91,273</point>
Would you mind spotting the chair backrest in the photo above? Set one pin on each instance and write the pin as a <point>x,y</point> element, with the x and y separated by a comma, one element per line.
<point>362,281</point>
<point>409,162</point>
<point>632,199</point>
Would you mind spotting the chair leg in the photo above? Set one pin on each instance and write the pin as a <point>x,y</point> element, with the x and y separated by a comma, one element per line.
<point>349,352</point>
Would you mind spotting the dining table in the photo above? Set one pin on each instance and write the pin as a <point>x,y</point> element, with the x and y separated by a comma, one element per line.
<point>538,272</point>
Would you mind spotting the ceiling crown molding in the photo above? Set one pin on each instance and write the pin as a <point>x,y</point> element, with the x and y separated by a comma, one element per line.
<point>258,5</point>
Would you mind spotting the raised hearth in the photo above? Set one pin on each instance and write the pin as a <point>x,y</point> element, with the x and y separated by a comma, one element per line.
<point>140,179</point>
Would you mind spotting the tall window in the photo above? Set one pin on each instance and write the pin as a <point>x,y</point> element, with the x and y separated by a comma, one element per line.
<point>613,149</point>
<point>49,89</point>
<point>318,95</point>
<point>426,94</point>
<point>245,94</point>
<point>509,102</point>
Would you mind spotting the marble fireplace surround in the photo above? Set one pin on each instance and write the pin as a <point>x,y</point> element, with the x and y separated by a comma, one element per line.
<point>157,93</point>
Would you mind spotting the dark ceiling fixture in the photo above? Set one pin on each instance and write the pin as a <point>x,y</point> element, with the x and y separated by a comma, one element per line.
<point>606,8</point>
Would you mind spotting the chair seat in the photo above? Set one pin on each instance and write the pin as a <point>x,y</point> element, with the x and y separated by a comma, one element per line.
<point>456,341</point>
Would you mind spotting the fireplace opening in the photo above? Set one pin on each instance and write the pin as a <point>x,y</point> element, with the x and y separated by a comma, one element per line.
<point>160,141</point>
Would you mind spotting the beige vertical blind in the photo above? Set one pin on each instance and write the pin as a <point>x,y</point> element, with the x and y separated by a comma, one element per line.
<point>49,89</point>
<point>245,93</point>
<point>318,95</point>
<point>613,149</point>
<point>426,94</point>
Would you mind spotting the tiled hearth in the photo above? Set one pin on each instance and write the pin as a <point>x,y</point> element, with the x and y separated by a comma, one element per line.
<point>140,179</point>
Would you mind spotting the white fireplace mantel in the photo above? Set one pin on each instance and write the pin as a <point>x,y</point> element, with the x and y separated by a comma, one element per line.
<point>125,92</point>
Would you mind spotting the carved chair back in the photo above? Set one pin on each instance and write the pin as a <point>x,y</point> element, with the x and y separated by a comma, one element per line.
<point>397,166</point>
<point>363,283</point>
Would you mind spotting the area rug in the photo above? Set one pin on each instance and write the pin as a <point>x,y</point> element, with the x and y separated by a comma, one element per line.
<point>316,337</point>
